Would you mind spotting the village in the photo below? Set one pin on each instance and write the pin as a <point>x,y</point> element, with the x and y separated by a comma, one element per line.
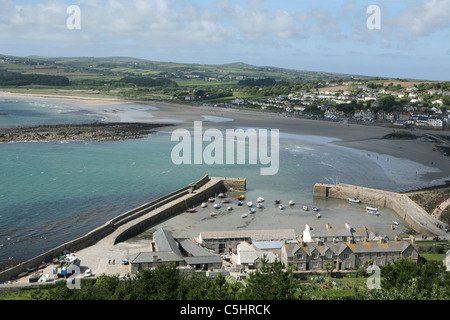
<point>359,102</point>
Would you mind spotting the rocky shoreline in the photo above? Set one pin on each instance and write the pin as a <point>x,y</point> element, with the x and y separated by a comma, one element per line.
<point>98,132</point>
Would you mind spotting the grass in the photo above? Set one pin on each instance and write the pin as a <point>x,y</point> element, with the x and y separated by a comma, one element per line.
<point>431,256</point>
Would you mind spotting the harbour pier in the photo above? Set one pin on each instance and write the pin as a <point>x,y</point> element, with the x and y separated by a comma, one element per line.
<point>135,221</point>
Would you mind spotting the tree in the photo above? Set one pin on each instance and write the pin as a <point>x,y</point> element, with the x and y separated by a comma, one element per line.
<point>271,283</point>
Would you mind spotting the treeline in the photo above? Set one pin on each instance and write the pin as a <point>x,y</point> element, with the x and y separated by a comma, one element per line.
<point>257,82</point>
<point>149,82</point>
<point>18,79</point>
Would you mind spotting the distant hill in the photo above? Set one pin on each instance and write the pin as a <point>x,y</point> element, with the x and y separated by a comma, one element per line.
<point>126,66</point>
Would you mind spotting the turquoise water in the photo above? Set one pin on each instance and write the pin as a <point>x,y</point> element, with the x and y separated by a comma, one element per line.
<point>53,192</point>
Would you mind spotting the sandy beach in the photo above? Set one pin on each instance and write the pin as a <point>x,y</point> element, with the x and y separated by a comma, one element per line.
<point>366,139</point>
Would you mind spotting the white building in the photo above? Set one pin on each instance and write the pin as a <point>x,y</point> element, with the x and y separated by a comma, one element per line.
<point>447,260</point>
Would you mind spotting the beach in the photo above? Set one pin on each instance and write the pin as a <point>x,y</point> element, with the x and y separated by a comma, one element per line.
<point>365,140</point>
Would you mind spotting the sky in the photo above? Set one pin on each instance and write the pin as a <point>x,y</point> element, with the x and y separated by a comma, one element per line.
<point>399,39</point>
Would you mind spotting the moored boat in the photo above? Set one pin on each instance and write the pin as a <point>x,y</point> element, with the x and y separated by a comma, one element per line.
<point>374,212</point>
<point>250,204</point>
<point>259,205</point>
<point>212,199</point>
<point>315,209</point>
<point>251,210</point>
<point>354,200</point>
<point>372,208</point>
<point>212,214</point>
<point>216,206</point>
<point>244,215</point>
<point>277,201</point>
<point>191,210</point>
<point>281,207</point>
<point>395,223</point>
<point>305,208</point>
<point>239,203</point>
<point>204,205</point>
<point>241,197</point>
<point>221,195</point>
<point>230,208</point>
<point>291,202</point>
<point>318,215</point>
<point>260,199</point>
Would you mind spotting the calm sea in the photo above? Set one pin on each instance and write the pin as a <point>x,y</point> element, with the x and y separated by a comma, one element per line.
<point>53,192</point>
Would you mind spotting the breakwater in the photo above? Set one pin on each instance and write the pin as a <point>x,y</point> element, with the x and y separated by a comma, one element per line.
<point>135,221</point>
<point>414,215</point>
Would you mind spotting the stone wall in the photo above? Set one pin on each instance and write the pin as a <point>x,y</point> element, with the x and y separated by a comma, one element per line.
<point>407,209</point>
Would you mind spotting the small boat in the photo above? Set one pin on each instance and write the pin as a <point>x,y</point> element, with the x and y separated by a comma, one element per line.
<point>244,215</point>
<point>22,274</point>
<point>260,199</point>
<point>239,203</point>
<point>212,199</point>
<point>241,197</point>
<point>372,208</point>
<point>395,223</point>
<point>35,276</point>
<point>374,212</point>
<point>221,195</point>
<point>315,209</point>
<point>251,210</point>
<point>281,207</point>
<point>212,214</point>
<point>204,205</point>
<point>291,202</point>
<point>318,216</point>
<point>226,201</point>
<point>216,206</point>
<point>259,205</point>
<point>277,201</point>
<point>305,208</point>
<point>250,204</point>
<point>230,208</point>
<point>191,210</point>
<point>354,200</point>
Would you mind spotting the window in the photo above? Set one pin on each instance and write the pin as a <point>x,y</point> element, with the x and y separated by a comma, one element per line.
<point>300,265</point>
<point>346,256</point>
<point>315,265</point>
<point>300,256</point>
<point>315,255</point>
<point>329,255</point>
<point>347,265</point>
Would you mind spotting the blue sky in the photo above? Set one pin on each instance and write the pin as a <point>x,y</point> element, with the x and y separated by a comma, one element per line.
<point>327,35</point>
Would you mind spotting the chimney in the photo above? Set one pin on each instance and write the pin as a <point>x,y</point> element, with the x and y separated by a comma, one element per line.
<point>412,239</point>
<point>381,239</point>
<point>335,240</point>
<point>366,239</point>
<point>347,226</point>
<point>328,226</point>
<point>350,240</point>
<point>307,227</point>
<point>319,242</point>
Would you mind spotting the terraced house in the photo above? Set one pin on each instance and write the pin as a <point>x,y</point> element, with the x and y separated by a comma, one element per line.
<point>310,256</point>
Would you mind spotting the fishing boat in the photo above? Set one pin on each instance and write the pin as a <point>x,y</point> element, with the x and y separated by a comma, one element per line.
<point>244,215</point>
<point>216,206</point>
<point>212,199</point>
<point>260,199</point>
<point>212,214</point>
<point>372,208</point>
<point>250,204</point>
<point>230,208</point>
<point>291,202</point>
<point>241,197</point>
<point>204,205</point>
<point>251,210</point>
<point>318,216</point>
<point>354,200</point>
<point>221,195</point>
<point>315,209</point>
<point>281,207</point>
<point>22,274</point>
<point>374,212</point>
<point>305,208</point>
<point>239,203</point>
<point>191,210</point>
<point>35,276</point>
<point>277,201</point>
<point>259,205</point>
<point>395,223</point>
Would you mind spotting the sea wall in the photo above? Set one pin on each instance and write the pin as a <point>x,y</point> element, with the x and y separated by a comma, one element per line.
<point>137,220</point>
<point>414,215</point>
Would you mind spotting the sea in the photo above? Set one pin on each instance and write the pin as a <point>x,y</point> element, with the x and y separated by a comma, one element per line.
<point>53,192</point>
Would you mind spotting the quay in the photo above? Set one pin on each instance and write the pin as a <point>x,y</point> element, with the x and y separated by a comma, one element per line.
<point>413,214</point>
<point>109,238</point>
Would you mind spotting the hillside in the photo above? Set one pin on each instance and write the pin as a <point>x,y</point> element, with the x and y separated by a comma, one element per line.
<point>112,67</point>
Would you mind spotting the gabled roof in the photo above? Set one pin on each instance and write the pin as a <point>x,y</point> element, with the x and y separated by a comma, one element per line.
<point>165,241</point>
